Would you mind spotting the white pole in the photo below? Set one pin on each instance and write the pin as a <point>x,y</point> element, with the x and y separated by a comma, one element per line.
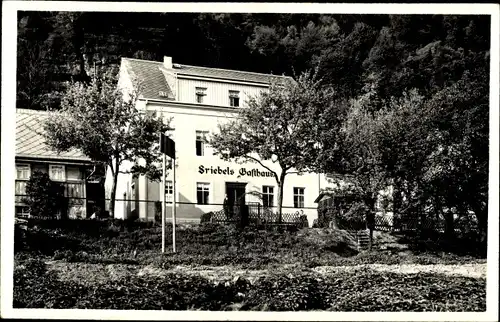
<point>173,206</point>
<point>163,207</point>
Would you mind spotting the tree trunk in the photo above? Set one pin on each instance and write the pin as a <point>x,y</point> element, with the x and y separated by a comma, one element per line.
<point>113,195</point>
<point>370,220</point>
<point>482,221</point>
<point>396,205</point>
<point>449,229</point>
<point>281,184</point>
<point>113,188</point>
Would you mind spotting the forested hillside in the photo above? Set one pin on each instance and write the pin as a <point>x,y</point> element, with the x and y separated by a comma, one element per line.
<point>386,54</point>
<point>421,84</point>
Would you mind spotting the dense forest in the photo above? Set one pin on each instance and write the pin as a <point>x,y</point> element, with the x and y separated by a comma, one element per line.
<point>388,53</point>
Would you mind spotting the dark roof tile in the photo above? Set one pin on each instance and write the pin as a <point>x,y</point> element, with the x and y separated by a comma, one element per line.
<point>150,76</point>
<point>30,141</point>
<point>226,74</point>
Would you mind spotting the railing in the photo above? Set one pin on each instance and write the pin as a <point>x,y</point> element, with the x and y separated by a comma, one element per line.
<point>383,222</point>
<point>257,216</point>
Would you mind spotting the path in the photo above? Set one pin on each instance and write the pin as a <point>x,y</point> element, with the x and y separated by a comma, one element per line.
<point>100,273</point>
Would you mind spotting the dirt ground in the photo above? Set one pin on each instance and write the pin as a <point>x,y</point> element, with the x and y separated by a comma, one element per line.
<point>101,273</point>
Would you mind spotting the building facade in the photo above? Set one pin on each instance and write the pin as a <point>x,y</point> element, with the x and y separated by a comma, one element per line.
<point>71,169</point>
<point>197,99</point>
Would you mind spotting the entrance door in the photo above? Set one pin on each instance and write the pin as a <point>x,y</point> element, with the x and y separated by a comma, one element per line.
<point>235,193</point>
<point>95,198</point>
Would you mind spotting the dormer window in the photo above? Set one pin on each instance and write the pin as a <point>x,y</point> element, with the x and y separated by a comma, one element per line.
<point>234,98</point>
<point>201,92</point>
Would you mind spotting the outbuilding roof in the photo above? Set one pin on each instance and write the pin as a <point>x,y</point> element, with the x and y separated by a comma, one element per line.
<point>30,141</point>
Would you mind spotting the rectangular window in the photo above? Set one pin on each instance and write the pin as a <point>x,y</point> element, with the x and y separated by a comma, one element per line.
<point>201,92</point>
<point>57,172</point>
<point>201,139</point>
<point>20,191</point>
<point>22,210</point>
<point>298,197</point>
<point>202,193</point>
<point>268,196</point>
<point>169,191</point>
<point>20,187</point>
<point>74,190</point>
<point>23,171</point>
<point>234,98</point>
<point>75,193</point>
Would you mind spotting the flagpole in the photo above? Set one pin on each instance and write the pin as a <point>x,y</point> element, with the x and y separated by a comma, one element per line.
<point>173,205</point>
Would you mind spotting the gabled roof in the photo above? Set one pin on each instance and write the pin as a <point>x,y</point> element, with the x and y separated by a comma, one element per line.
<point>152,79</point>
<point>152,74</point>
<point>30,142</point>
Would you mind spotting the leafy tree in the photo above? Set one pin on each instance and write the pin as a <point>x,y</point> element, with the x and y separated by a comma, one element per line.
<point>458,170</point>
<point>362,155</point>
<point>280,125</point>
<point>435,151</point>
<point>44,196</point>
<point>105,125</point>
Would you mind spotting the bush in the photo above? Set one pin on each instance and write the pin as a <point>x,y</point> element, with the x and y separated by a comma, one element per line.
<point>303,222</point>
<point>354,218</point>
<point>206,217</point>
<point>118,241</point>
<point>44,196</point>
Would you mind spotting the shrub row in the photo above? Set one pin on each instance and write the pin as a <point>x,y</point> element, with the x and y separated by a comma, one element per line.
<point>211,245</point>
<point>34,287</point>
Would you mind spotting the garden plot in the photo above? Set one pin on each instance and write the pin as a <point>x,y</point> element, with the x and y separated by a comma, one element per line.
<point>221,268</point>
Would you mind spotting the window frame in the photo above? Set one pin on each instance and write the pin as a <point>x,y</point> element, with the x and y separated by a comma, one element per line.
<point>202,140</point>
<point>51,166</point>
<point>205,187</point>
<point>299,197</point>
<point>200,93</point>
<point>27,167</point>
<point>268,196</point>
<point>234,98</point>
<point>169,191</point>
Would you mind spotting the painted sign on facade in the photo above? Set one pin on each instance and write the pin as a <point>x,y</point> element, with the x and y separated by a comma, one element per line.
<point>229,171</point>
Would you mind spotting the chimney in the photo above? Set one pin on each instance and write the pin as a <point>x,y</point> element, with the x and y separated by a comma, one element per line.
<point>167,62</point>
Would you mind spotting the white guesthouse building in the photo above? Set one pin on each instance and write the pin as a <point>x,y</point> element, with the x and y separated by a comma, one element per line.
<point>198,99</point>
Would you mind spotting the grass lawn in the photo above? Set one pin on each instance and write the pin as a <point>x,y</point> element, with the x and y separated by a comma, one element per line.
<point>94,264</point>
